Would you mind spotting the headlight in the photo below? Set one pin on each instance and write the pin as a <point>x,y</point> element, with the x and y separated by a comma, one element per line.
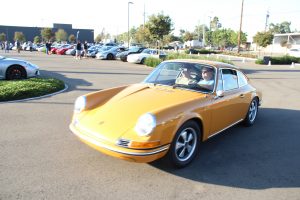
<point>145,124</point>
<point>80,104</point>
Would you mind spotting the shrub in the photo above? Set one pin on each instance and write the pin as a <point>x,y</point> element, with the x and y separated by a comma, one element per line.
<point>284,60</point>
<point>200,51</point>
<point>260,61</point>
<point>152,62</point>
<point>279,60</point>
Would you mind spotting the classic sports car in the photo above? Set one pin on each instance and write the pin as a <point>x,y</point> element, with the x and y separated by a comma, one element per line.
<point>166,114</point>
<point>11,68</point>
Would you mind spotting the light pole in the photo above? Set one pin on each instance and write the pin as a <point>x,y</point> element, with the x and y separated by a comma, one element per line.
<point>77,36</point>
<point>129,2</point>
<point>239,35</point>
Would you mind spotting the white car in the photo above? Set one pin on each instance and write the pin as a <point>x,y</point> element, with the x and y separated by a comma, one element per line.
<point>294,52</point>
<point>11,68</point>
<point>141,57</point>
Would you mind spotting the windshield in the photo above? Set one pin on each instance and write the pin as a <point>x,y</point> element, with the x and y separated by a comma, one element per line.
<point>193,76</point>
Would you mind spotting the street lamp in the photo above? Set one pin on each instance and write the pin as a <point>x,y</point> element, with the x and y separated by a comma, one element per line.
<point>129,2</point>
<point>77,36</point>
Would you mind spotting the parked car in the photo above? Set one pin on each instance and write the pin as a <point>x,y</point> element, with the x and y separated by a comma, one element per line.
<point>63,49</point>
<point>132,50</point>
<point>109,53</point>
<point>12,68</point>
<point>141,57</point>
<point>294,52</point>
<point>159,117</point>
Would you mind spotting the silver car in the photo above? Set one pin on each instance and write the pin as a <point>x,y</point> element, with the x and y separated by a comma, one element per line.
<point>12,68</point>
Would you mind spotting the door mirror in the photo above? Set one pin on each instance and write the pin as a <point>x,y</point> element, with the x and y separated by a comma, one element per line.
<point>220,93</point>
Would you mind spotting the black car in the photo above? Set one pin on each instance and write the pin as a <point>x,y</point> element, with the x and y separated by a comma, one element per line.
<point>132,50</point>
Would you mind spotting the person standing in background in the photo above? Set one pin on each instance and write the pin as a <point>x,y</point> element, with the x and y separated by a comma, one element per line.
<point>78,50</point>
<point>85,48</point>
<point>6,47</point>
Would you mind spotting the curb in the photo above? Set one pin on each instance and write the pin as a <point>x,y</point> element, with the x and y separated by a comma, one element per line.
<point>39,97</point>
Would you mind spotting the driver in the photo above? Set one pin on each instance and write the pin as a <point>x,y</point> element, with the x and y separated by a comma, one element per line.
<point>185,78</point>
<point>208,81</point>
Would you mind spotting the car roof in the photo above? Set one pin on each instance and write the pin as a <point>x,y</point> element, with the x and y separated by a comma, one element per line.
<point>205,62</point>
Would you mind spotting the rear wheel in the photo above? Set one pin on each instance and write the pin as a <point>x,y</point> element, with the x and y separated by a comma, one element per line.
<point>110,57</point>
<point>252,113</point>
<point>185,144</point>
<point>15,72</point>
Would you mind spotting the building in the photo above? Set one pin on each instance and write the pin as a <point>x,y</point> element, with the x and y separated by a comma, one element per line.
<point>31,32</point>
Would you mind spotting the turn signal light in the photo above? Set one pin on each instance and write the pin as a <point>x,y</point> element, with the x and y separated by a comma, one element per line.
<point>144,145</point>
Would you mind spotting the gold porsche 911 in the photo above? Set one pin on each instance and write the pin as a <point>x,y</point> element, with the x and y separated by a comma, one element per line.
<point>179,105</point>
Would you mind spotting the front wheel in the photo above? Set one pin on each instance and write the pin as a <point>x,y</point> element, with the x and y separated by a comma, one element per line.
<point>252,113</point>
<point>185,144</point>
<point>15,72</point>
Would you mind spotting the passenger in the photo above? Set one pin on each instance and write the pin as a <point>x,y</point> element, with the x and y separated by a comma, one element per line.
<point>207,80</point>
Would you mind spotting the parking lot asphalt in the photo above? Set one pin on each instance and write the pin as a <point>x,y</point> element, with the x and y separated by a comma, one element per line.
<point>42,159</point>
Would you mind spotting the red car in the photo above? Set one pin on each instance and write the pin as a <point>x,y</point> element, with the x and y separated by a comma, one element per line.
<point>62,50</point>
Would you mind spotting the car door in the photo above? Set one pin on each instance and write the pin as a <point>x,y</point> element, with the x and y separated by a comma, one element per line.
<point>225,111</point>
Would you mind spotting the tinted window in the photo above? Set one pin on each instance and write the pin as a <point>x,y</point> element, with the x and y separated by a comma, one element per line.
<point>230,80</point>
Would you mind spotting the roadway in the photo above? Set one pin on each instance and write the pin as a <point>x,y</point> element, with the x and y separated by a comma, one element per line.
<point>42,159</point>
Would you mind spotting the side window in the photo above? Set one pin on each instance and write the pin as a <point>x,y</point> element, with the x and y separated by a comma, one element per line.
<point>230,79</point>
<point>242,79</point>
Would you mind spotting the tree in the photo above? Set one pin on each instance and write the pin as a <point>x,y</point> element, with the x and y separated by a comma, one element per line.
<point>188,36</point>
<point>61,35</point>
<point>46,34</point>
<point>72,38</point>
<point>283,27</point>
<point>234,38</point>
<point>221,37</point>
<point>2,37</point>
<point>215,24</point>
<point>99,38</point>
<point>263,39</point>
<point>159,25</point>
<point>37,39</point>
<point>19,36</point>
<point>199,31</point>
<point>143,35</point>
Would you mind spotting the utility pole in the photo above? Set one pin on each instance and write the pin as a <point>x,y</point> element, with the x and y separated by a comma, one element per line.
<point>239,36</point>
<point>128,39</point>
<point>267,18</point>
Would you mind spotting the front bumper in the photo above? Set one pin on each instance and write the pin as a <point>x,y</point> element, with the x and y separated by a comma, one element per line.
<point>112,149</point>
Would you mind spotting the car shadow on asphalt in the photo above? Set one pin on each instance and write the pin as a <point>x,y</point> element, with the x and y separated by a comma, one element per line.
<point>72,83</point>
<point>266,155</point>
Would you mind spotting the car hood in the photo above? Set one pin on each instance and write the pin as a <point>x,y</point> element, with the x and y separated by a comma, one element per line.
<point>14,60</point>
<point>121,112</point>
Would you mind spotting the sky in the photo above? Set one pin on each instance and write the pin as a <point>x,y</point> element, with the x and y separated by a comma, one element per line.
<point>112,15</point>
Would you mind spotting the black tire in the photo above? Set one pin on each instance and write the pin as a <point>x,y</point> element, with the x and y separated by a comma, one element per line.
<point>110,57</point>
<point>15,72</point>
<point>143,61</point>
<point>185,144</point>
<point>252,113</point>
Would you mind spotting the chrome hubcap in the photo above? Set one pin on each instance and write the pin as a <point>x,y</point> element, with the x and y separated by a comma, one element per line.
<point>185,144</point>
<point>252,110</point>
